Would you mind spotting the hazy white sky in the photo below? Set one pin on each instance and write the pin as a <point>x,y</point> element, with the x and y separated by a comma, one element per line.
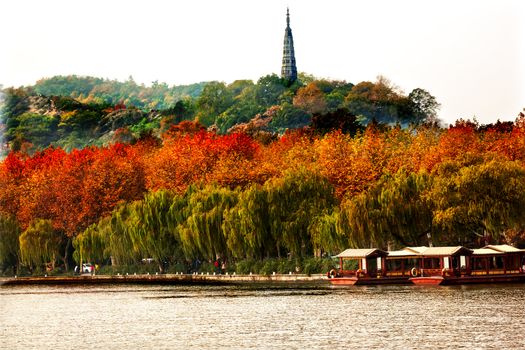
<point>470,54</point>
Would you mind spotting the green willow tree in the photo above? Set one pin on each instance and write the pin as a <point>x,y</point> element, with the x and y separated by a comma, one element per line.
<point>110,238</point>
<point>325,233</point>
<point>201,232</point>
<point>478,200</point>
<point>394,211</point>
<point>91,244</point>
<point>151,233</point>
<point>9,242</point>
<point>293,202</point>
<point>292,215</point>
<point>40,244</point>
<point>247,226</point>
<point>122,249</point>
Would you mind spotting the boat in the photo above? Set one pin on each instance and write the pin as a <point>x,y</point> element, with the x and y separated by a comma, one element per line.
<point>440,263</point>
<point>460,265</point>
<point>429,266</point>
<point>403,263</point>
<point>374,266</point>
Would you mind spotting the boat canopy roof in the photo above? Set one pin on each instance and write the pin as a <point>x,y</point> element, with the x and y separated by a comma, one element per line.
<point>504,248</point>
<point>486,251</point>
<point>446,251</point>
<point>361,253</point>
<point>409,252</point>
<point>418,250</point>
<point>403,253</point>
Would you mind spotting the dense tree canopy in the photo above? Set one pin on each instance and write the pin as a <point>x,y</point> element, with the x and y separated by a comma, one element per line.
<point>95,90</point>
<point>73,112</point>
<point>198,194</point>
<point>323,165</point>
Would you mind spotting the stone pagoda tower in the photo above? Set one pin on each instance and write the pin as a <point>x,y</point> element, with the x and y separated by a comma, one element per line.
<point>288,70</point>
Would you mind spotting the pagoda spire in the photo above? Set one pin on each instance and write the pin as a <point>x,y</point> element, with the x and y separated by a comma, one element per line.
<point>288,69</point>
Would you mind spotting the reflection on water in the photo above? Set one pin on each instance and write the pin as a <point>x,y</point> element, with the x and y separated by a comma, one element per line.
<point>265,317</point>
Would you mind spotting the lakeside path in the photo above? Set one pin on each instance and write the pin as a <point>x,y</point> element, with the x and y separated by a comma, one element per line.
<point>167,279</point>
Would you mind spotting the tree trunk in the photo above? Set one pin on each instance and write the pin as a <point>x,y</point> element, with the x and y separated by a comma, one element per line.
<point>66,255</point>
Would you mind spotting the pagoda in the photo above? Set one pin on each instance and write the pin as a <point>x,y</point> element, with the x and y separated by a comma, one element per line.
<point>289,69</point>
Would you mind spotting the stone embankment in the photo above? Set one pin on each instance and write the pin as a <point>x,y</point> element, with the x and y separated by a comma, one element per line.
<point>167,279</point>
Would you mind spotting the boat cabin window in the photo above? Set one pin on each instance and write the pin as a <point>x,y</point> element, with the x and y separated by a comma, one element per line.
<point>446,262</point>
<point>394,264</point>
<point>402,264</point>
<point>479,263</point>
<point>412,262</point>
<point>459,262</point>
<point>463,262</point>
<point>496,262</point>
<point>351,265</point>
<point>371,265</point>
<point>431,263</point>
<point>456,262</point>
<point>513,262</point>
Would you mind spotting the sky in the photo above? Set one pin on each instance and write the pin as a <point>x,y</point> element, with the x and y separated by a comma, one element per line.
<point>469,54</point>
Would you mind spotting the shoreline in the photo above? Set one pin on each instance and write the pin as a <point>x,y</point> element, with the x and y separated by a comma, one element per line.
<point>165,279</point>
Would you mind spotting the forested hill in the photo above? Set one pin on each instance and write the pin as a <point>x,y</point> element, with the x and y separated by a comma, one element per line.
<point>97,90</point>
<point>73,112</point>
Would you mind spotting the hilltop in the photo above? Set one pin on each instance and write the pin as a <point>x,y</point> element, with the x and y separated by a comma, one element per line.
<point>74,112</point>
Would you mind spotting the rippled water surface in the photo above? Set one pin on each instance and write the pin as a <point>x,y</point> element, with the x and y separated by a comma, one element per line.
<point>232,317</point>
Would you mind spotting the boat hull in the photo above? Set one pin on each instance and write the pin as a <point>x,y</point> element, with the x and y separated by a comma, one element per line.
<point>362,281</point>
<point>456,280</point>
<point>427,281</point>
<point>343,281</point>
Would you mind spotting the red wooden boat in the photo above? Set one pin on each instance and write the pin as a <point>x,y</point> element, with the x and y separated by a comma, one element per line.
<point>459,265</point>
<point>374,266</point>
<point>430,266</point>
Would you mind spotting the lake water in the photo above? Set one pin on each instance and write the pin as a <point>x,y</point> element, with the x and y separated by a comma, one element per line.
<point>232,317</point>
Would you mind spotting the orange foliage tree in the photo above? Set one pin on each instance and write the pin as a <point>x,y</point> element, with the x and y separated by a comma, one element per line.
<point>115,175</point>
<point>11,178</point>
<point>352,164</point>
<point>311,99</point>
<point>187,158</point>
